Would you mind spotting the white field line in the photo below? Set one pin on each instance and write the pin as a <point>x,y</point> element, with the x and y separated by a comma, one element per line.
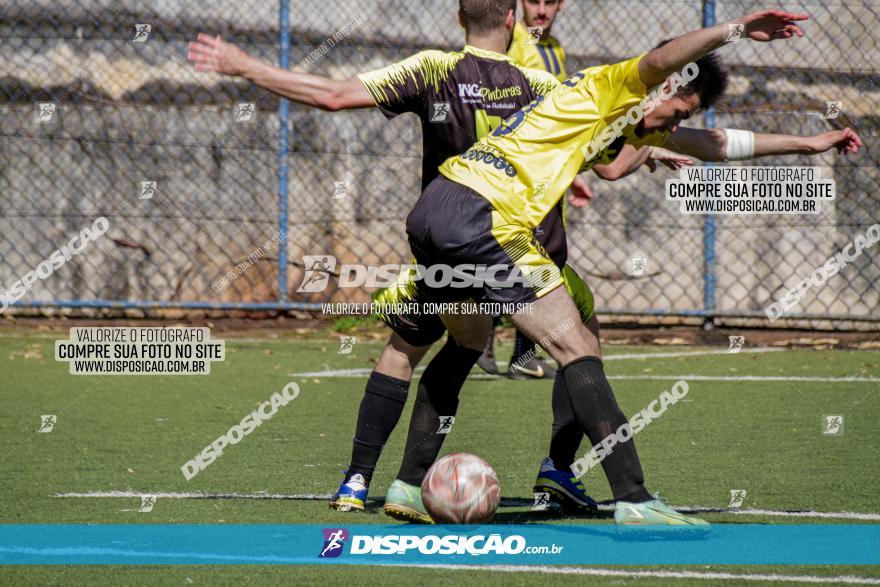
<point>511,502</point>
<point>361,372</point>
<point>696,575</point>
<point>847,379</point>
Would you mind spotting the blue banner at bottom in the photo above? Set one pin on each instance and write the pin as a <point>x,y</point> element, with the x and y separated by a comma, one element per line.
<point>747,544</point>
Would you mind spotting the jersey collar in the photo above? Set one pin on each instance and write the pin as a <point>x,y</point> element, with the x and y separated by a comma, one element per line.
<point>485,54</point>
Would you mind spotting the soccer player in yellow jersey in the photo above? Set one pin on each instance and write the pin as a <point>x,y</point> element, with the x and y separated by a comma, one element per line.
<point>533,45</point>
<point>485,208</point>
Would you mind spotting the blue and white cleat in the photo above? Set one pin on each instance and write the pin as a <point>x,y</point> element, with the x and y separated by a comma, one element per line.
<point>565,489</point>
<point>351,495</point>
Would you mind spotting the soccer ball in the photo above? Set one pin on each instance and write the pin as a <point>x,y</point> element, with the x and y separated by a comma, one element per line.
<point>461,489</point>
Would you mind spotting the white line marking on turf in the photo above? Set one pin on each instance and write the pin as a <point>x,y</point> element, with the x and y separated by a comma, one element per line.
<point>846,579</point>
<point>363,371</point>
<point>508,502</point>
<point>848,379</point>
<point>690,353</point>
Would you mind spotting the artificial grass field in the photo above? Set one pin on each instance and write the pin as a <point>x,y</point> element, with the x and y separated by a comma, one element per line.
<point>132,433</point>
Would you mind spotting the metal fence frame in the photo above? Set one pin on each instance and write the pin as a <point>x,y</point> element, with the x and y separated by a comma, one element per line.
<point>708,312</point>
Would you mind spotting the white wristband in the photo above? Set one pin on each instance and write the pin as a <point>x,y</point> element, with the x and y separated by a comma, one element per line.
<point>740,144</point>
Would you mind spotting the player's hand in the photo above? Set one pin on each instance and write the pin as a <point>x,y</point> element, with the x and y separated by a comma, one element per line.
<point>212,54</point>
<point>769,25</point>
<point>668,158</point>
<point>580,194</point>
<point>846,141</point>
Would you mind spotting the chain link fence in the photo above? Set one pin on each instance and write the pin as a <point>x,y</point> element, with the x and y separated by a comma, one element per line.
<point>210,184</point>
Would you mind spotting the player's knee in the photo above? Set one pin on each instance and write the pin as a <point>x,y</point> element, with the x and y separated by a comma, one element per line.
<point>399,362</point>
<point>475,341</point>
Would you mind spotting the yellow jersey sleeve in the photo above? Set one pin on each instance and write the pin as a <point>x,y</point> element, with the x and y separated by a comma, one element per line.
<point>540,81</point>
<point>402,86</point>
<point>528,162</point>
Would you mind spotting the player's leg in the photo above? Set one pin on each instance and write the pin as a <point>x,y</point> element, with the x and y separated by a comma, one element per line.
<point>386,389</point>
<point>436,402</point>
<point>555,476</point>
<point>525,362</point>
<point>379,412</point>
<point>583,382</point>
<point>487,362</point>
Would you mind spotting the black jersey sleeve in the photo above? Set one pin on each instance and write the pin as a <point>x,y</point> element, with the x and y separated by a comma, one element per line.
<point>404,86</point>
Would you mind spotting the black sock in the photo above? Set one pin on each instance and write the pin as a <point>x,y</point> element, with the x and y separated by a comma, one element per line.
<point>567,433</point>
<point>522,346</point>
<point>436,400</point>
<point>380,411</point>
<point>596,409</point>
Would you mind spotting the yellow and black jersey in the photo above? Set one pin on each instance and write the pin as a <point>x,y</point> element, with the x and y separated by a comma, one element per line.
<point>525,166</point>
<point>459,96</point>
<point>535,53</point>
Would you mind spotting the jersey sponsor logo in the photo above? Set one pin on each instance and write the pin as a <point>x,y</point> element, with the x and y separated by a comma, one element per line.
<point>477,93</point>
<point>498,161</point>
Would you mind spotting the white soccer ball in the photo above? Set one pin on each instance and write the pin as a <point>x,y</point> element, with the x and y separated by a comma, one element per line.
<point>461,488</point>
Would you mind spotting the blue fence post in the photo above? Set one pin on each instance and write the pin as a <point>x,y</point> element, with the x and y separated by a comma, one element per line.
<point>283,144</point>
<point>709,222</point>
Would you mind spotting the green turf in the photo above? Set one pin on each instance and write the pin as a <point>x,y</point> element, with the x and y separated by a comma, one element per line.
<point>134,433</point>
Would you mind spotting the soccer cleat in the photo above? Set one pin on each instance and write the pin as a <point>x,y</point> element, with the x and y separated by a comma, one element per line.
<point>404,502</point>
<point>534,368</point>
<point>486,362</point>
<point>654,512</point>
<point>351,495</point>
<point>564,489</point>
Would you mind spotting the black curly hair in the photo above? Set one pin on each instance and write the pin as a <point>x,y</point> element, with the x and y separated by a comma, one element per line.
<point>710,83</point>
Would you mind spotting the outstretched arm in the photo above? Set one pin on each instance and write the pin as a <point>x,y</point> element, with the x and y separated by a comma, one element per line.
<point>213,54</point>
<point>764,26</point>
<point>630,159</point>
<point>714,144</point>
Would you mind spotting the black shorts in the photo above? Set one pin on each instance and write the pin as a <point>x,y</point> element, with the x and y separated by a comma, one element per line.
<point>453,225</point>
